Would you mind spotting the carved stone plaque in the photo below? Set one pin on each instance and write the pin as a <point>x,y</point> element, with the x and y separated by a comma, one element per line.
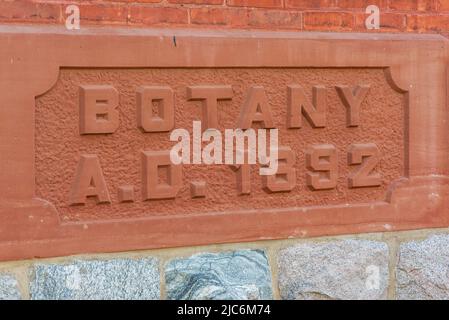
<point>86,119</point>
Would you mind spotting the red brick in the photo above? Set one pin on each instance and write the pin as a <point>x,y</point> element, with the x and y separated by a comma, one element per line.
<point>29,11</point>
<point>413,5</point>
<point>328,21</point>
<point>423,23</point>
<point>128,1</point>
<point>255,3</point>
<point>389,22</point>
<point>442,5</point>
<point>362,4</point>
<point>103,13</point>
<point>215,16</point>
<point>255,18</point>
<point>157,15</point>
<point>311,4</point>
<point>275,19</point>
<point>211,2</point>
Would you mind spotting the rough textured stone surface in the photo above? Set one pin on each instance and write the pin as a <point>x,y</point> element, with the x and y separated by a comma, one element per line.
<point>243,274</point>
<point>58,147</point>
<point>349,269</point>
<point>423,269</point>
<point>116,279</point>
<point>9,288</point>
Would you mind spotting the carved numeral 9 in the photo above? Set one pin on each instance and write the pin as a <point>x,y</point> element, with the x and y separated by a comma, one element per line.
<point>322,160</point>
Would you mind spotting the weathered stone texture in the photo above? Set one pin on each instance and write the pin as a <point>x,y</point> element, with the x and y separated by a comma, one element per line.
<point>242,274</point>
<point>349,269</point>
<point>116,279</point>
<point>423,269</point>
<point>9,288</point>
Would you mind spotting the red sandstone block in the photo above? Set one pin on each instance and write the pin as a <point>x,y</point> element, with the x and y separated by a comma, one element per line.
<point>328,21</point>
<point>29,11</point>
<point>197,1</point>
<point>273,19</point>
<point>311,4</point>
<point>157,15</point>
<point>421,23</point>
<point>215,16</point>
<point>255,3</point>
<point>389,22</point>
<point>40,157</point>
<point>414,5</point>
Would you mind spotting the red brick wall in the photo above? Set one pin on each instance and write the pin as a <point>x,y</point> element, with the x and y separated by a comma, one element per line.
<point>322,15</point>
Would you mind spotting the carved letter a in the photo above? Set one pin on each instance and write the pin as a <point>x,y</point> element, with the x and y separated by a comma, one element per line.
<point>89,181</point>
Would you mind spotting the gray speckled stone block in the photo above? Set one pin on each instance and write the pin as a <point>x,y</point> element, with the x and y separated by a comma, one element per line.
<point>9,288</point>
<point>116,279</point>
<point>423,269</point>
<point>349,270</point>
<point>242,274</point>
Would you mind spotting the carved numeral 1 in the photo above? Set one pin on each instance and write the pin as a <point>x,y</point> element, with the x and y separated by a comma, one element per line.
<point>243,175</point>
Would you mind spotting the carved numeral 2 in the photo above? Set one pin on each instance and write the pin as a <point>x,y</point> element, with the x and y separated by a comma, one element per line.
<point>367,156</point>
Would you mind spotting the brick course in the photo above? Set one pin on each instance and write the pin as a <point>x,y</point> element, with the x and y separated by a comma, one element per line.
<point>421,16</point>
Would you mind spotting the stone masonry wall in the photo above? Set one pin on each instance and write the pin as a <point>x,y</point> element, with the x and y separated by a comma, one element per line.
<point>397,265</point>
<point>404,265</point>
<point>298,15</point>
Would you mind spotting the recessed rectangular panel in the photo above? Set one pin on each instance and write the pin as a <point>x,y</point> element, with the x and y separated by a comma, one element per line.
<point>380,122</point>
